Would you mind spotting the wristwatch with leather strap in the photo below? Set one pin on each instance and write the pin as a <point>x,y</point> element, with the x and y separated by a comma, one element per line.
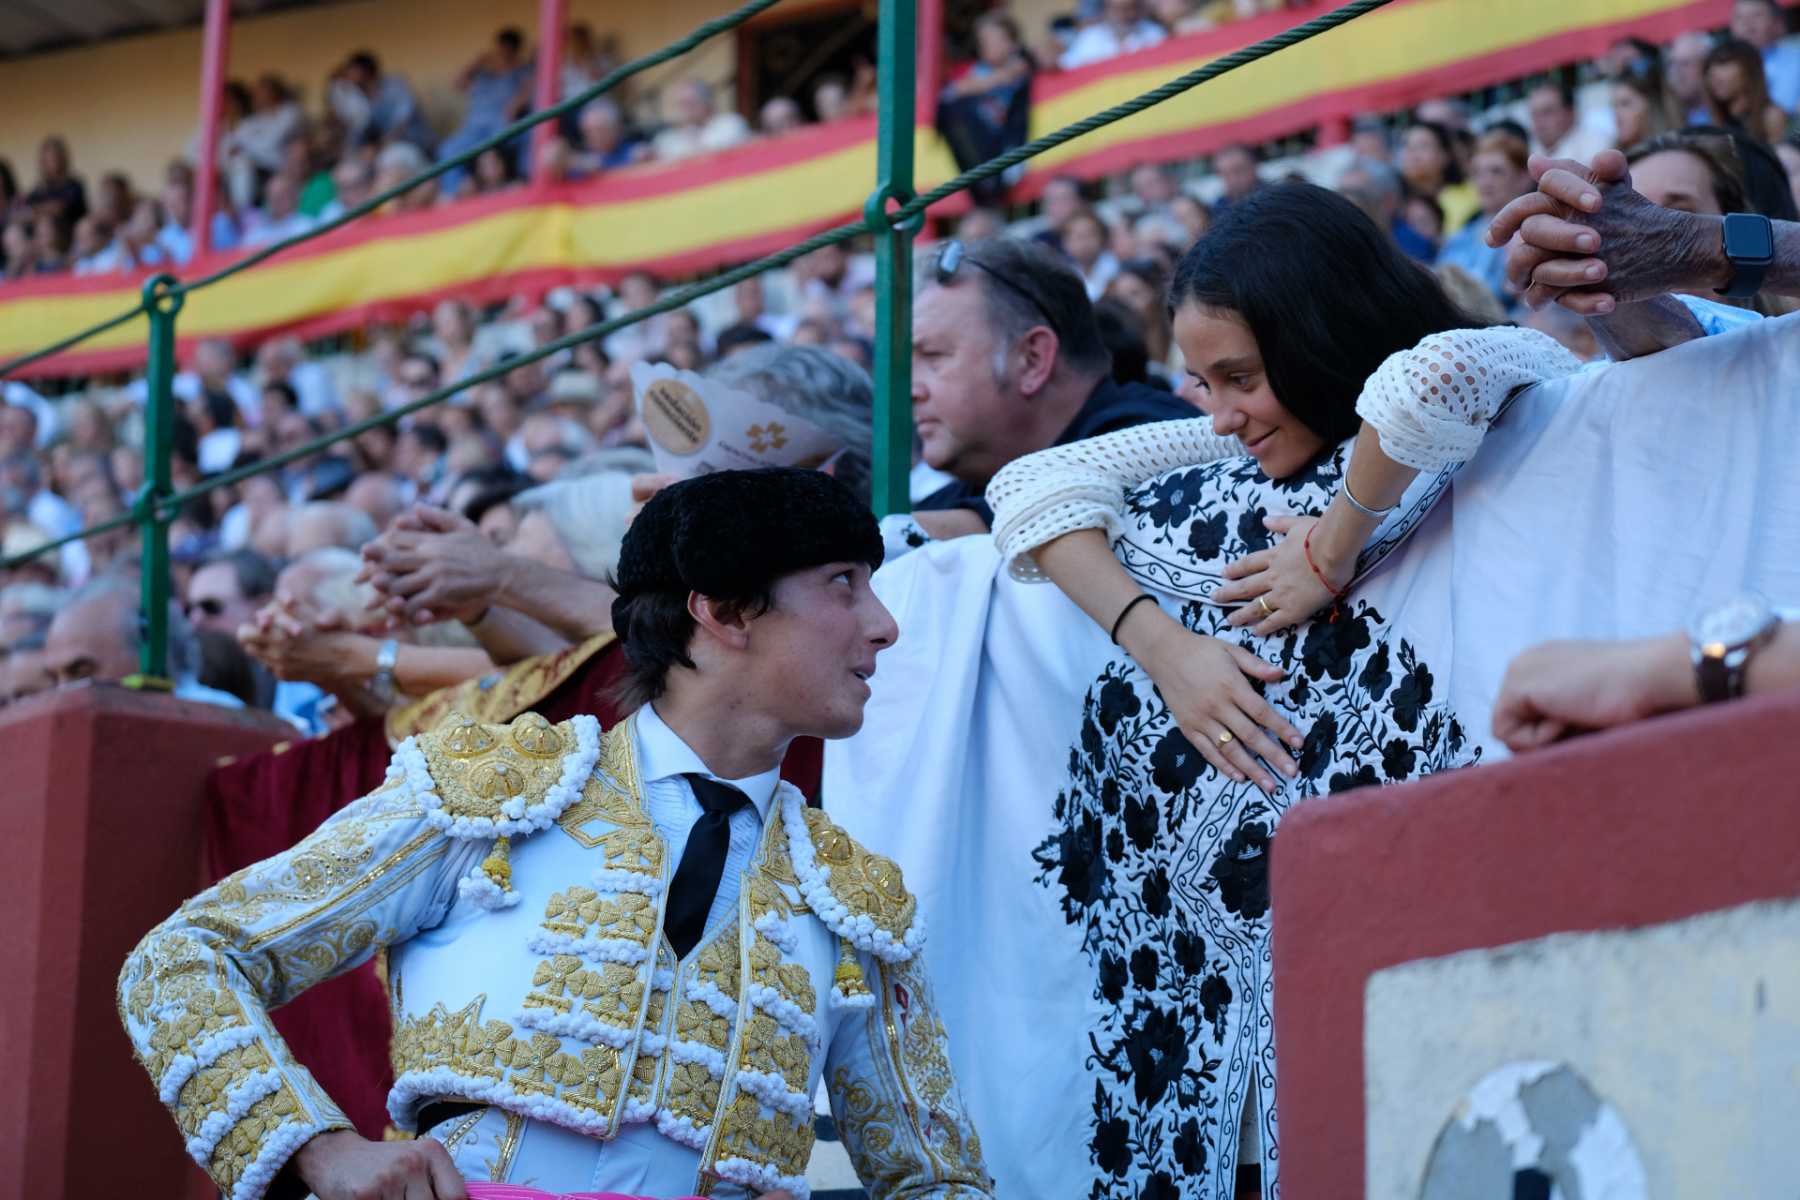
<point>1723,640</point>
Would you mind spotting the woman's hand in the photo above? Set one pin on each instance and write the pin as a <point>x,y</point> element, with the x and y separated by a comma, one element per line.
<point>1206,684</point>
<point>1276,586</point>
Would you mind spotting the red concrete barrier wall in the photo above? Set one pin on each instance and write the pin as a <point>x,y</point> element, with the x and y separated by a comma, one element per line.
<point>100,788</point>
<point>1651,823</point>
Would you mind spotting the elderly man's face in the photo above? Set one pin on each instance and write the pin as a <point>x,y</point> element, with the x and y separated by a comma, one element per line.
<point>88,641</point>
<point>215,602</point>
<point>962,409</point>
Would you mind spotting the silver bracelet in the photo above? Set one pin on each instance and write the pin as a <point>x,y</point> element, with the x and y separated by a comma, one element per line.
<point>1374,514</point>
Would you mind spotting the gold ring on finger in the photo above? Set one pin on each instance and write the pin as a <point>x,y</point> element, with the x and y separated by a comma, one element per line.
<point>1225,738</point>
<point>1264,601</point>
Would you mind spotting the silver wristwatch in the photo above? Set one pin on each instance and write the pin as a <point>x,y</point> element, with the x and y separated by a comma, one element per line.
<point>381,684</point>
<point>1722,641</point>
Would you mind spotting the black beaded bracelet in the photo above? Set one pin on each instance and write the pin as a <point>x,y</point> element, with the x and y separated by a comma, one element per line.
<point>1126,611</point>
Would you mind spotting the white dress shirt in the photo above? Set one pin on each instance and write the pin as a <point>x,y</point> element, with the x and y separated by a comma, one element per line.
<point>663,758</point>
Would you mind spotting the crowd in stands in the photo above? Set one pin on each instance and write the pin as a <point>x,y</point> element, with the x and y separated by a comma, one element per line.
<point>267,568</point>
<point>283,166</point>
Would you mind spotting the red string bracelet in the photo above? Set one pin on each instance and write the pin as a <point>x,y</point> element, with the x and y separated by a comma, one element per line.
<point>1337,593</point>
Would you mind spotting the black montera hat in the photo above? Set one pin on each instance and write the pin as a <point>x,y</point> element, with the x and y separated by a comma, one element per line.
<point>730,534</point>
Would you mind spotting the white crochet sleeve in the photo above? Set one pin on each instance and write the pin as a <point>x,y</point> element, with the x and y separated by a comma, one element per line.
<point>1038,498</point>
<point>1432,404</point>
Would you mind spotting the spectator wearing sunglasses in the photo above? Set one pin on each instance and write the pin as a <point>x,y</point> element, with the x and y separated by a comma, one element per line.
<point>226,591</point>
<point>1008,360</point>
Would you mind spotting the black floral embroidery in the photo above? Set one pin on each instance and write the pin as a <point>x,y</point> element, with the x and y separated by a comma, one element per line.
<point>1172,498</point>
<point>1140,821</point>
<point>1241,871</point>
<point>1162,863</point>
<point>1206,536</point>
<point>1143,968</point>
<point>1375,676</point>
<point>1252,532</point>
<point>1190,1148</point>
<point>1117,701</point>
<point>1414,692</point>
<point>1112,977</point>
<point>1175,765</point>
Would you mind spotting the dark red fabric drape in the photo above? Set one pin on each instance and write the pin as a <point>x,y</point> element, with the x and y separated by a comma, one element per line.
<point>256,807</point>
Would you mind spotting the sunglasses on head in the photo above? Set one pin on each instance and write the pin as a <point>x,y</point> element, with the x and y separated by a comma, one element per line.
<point>954,255</point>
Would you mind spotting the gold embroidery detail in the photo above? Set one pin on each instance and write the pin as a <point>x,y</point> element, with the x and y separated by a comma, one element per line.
<point>611,795</point>
<point>325,952</point>
<point>463,1127</point>
<point>867,1125</point>
<point>497,866</point>
<point>580,912</point>
<point>790,979</point>
<point>363,884</point>
<point>919,1046</point>
<point>590,1080</point>
<point>534,735</point>
<point>238,1149</point>
<point>464,737</point>
<point>497,697</point>
<point>717,962</point>
<point>206,1091</point>
<point>766,1048</point>
<point>693,1093</point>
<point>501,1166</point>
<point>477,768</point>
<point>695,1022</point>
<point>613,994</point>
<point>848,978</point>
<point>865,883</point>
<point>776,1141</point>
<point>777,863</point>
<point>646,1067</point>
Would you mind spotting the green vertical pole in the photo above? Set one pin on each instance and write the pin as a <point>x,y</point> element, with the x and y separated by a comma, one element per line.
<point>159,438</point>
<point>896,45</point>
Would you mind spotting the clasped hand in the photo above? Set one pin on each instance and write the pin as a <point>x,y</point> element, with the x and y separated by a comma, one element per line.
<point>295,641</point>
<point>1587,240</point>
<point>434,565</point>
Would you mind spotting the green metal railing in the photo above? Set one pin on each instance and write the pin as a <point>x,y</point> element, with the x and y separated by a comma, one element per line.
<point>893,215</point>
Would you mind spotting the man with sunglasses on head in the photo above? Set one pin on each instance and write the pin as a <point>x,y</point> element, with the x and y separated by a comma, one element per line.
<point>1008,360</point>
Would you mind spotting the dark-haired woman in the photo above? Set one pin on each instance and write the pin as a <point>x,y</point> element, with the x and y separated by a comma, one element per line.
<point>1737,92</point>
<point>1431,165</point>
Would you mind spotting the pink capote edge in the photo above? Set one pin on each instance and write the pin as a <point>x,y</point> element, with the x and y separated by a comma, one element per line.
<point>512,1191</point>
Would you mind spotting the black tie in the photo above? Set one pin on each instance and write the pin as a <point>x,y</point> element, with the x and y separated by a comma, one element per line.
<point>702,863</point>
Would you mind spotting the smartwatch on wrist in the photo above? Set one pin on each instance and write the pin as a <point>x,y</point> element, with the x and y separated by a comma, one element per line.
<point>1722,641</point>
<point>1750,248</point>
